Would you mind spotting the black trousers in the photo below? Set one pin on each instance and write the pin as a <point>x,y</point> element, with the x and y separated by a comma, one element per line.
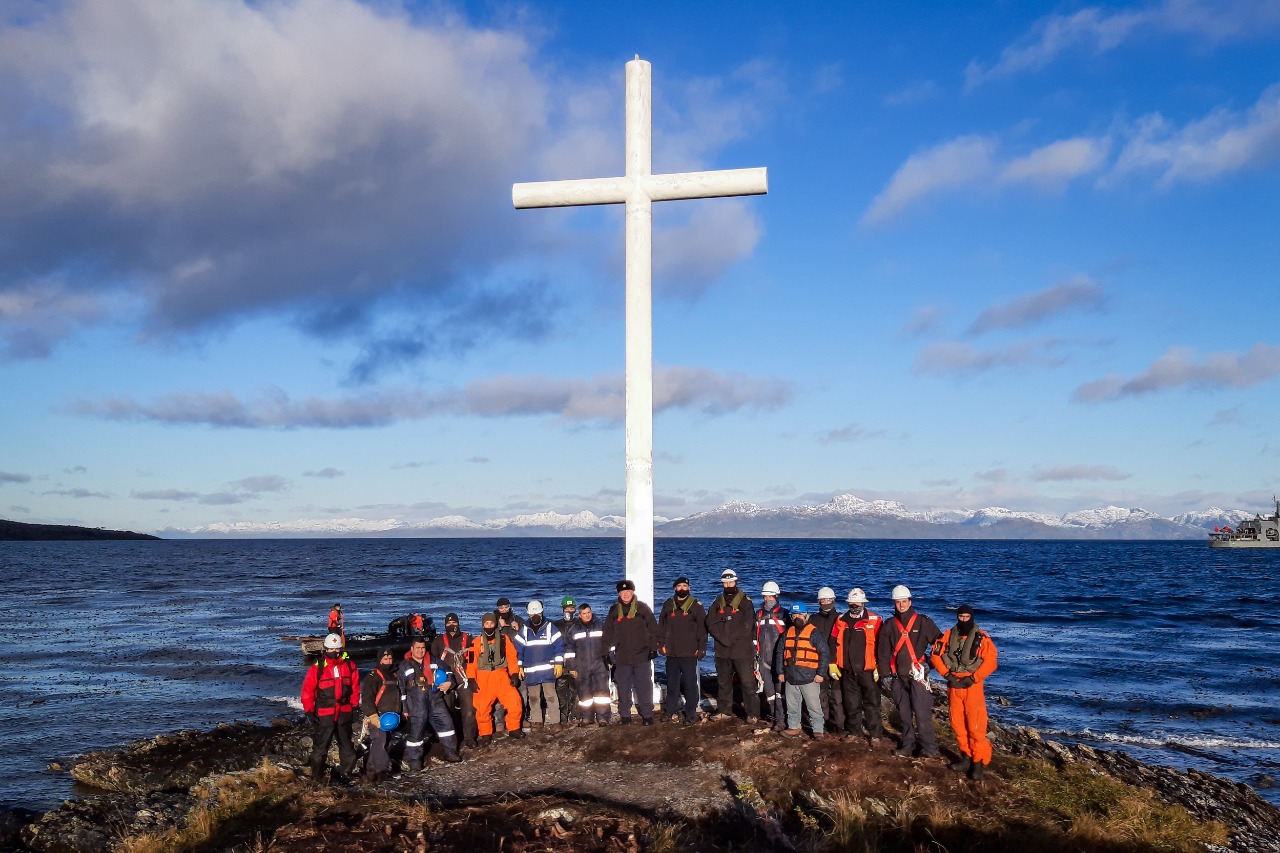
<point>682,681</point>
<point>637,679</point>
<point>832,704</point>
<point>463,710</point>
<point>861,694</point>
<point>567,695</point>
<point>330,727</point>
<point>745,669</point>
<point>915,706</point>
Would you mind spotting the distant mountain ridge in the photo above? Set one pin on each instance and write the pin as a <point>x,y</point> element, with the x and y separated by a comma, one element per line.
<point>843,517</point>
<point>21,531</point>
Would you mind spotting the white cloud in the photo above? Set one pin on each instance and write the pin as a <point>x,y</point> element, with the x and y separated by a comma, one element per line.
<point>1221,143</point>
<point>1081,292</point>
<point>1056,164</point>
<point>693,389</point>
<point>961,359</point>
<point>1182,367</point>
<point>210,161</point>
<point>951,165</point>
<point>689,257</point>
<point>1068,473</point>
<point>1096,30</point>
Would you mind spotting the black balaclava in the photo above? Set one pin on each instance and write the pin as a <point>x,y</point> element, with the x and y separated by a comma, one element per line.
<point>965,628</point>
<point>386,668</point>
<point>490,627</point>
<point>535,620</point>
<point>451,623</point>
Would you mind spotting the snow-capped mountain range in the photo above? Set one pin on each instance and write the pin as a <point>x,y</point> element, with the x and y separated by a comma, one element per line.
<point>843,517</point>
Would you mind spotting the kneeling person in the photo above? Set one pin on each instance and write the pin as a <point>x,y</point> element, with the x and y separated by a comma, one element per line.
<point>423,685</point>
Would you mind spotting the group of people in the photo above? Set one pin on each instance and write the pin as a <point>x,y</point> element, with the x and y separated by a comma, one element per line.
<point>787,663</point>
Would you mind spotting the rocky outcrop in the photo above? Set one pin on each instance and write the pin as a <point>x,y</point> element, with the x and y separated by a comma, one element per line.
<point>610,788</point>
<point>1254,823</point>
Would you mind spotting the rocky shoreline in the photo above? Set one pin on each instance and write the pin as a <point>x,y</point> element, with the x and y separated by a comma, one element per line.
<point>715,786</point>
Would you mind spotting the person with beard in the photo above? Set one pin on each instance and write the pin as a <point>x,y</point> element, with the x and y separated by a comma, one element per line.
<point>423,685</point>
<point>631,638</point>
<point>585,656</point>
<point>541,660</point>
<point>566,688</point>
<point>771,623</point>
<point>824,624</point>
<point>450,651</point>
<point>902,654</point>
<point>330,693</point>
<point>965,655</point>
<point>801,657</point>
<point>731,624</point>
<point>379,694</point>
<point>853,664</point>
<point>682,637</point>
<point>492,666</point>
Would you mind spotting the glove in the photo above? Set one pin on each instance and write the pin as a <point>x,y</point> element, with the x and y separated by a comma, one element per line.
<point>700,654</point>
<point>313,718</point>
<point>521,671</point>
<point>834,670</point>
<point>515,681</point>
<point>967,681</point>
<point>653,655</point>
<point>558,669</point>
<point>573,673</point>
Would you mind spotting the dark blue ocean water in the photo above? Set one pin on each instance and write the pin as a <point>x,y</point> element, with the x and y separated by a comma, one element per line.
<point>1165,649</point>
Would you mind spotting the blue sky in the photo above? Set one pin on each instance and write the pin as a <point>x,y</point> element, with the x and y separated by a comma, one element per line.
<point>259,265</point>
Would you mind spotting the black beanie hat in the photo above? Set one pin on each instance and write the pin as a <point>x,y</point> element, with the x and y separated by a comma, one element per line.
<point>965,610</point>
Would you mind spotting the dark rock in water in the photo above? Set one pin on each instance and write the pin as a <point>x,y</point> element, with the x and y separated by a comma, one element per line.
<point>175,762</point>
<point>1264,780</point>
<point>12,822</point>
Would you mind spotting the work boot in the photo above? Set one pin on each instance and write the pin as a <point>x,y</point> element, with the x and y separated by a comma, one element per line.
<point>317,772</point>
<point>515,734</point>
<point>976,771</point>
<point>551,727</point>
<point>452,757</point>
<point>414,766</point>
<point>792,732</point>
<point>483,741</point>
<point>646,721</point>
<point>625,721</point>
<point>961,765</point>
<point>535,727</point>
<point>905,751</point>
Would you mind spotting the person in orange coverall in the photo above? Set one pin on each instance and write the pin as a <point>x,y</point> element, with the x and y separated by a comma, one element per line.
<point>493,669</point>
<point>965,655</point>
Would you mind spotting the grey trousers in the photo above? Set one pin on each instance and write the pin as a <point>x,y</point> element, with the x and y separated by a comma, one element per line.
<point>534,695</point>
<point>811,695</point>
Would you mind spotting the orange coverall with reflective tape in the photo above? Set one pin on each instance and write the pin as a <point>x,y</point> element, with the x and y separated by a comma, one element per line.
<point>968,705</point>
<point>494,685</point>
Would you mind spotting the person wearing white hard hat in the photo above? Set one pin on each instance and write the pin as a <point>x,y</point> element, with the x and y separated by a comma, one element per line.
<point>330,698</point>
<point>731,624</point>
<point>824,625</point>
<point>540,658</point>
<point>853,663</point>
<point>771,623</point>
<point>902,654</point>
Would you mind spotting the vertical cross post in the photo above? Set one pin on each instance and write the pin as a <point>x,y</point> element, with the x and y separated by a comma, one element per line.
<point>638,189</point>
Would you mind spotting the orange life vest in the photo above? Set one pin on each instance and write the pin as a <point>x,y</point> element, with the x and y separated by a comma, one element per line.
<point>797,653</point>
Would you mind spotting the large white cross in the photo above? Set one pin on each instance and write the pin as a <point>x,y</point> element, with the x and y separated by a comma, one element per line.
<point>638,189</point>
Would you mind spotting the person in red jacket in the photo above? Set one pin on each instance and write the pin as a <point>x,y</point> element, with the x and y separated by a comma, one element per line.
<point>330,696</point>
<point>493,667</point>
<point>965,656</point>
<point>853,661</point>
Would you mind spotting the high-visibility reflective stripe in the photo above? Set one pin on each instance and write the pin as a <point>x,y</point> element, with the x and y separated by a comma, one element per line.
<point>413,743</point>
<point>539,668</point>
<point>581,634</point>
<point>585,703</point>
<point>445,734</point>
<point>601,700</point>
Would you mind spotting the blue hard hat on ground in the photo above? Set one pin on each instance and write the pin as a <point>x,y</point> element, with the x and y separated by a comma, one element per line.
<point>389,721</point>
<point>799,608</point>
